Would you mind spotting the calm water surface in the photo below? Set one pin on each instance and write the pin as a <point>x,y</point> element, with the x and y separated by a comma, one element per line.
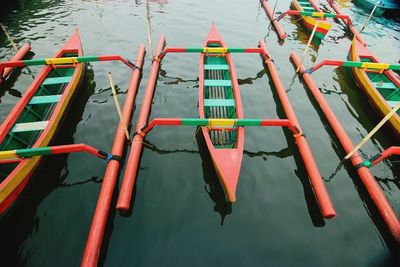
<point>179,217</point>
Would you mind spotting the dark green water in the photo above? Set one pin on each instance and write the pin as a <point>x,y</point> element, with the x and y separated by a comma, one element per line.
<point>179,217</point>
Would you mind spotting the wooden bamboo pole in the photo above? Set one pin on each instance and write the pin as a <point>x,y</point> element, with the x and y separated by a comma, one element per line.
<point>9,37</point>
<point>308,45</point>
<point>369,17</point>
<point>377,127</point>
<point>114,92</point>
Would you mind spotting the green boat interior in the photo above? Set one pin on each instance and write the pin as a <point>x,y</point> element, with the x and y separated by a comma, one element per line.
<point>306,6</point>
<point>219,100</point>
<point>387,88</point>
<point>36,114</point>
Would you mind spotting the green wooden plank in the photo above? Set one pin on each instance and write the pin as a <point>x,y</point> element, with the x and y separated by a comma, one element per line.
<point>216,67</point>
<point>57,80</point>
<point>45,99</point>
<point>386,85</point>
<point>392,104</point>
<point>217,83</point>
<point>219,102</point>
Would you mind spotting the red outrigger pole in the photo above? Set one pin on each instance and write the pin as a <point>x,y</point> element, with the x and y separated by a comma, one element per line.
<point>18,56</point>
<point>142,128</point>
<point>281,33</point>
<point>347,22</point>
<point>100,217</point>
<point>393,150</point>
<point>375,192</point>
<point>125,193</point>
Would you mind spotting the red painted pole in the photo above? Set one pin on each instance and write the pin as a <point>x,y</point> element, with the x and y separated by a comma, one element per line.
<point>18,56</point>
<point>268,10</point>
<point>393,150</point>
<point>377,196</point>
<point>317,183</point>
<point>129,179</point>
<point>348,23</point>
<point>99,222</point>
<point>325,62</point>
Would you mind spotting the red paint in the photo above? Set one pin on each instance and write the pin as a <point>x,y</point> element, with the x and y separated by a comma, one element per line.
<point>18,56</point>
<point>129,179</point>
<point>72,45</point>
<point>63,149</point>
<point>100,217</point>
<point>318,185</point>
<point>377,196</point>
<point>327,62</point>
<point>162,122</point>
<point>268,10</point>
<point>393,150</point>
<point>227,162</point>
<point>347,22</point>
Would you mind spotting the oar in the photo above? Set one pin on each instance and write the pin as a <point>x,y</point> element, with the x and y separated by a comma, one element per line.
<point>9,37</point>
<point>354,64</point>
<point>67,60</point>
<point>377,127</point>
<point>308,45</point>
<point>121,118</point>
<point>53,150</point>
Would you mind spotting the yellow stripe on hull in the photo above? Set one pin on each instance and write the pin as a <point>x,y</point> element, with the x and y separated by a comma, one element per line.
<point>30,164</point>
<point>323,24</point>
<point>373,94</point>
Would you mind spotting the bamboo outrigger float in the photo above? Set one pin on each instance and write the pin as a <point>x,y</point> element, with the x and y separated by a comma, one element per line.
<point>216,57</point>
<point>99,222</point>
<point>376,79</point>
<point>18,56</point>
<point>366,177</point>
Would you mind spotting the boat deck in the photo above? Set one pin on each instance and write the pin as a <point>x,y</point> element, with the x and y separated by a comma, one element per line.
<point>219,100</point>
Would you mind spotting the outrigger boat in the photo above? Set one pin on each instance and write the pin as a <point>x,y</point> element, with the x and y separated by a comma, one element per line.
<point>34,120</point>
<point>221,119</point>
<point>367,178</point>
<point>378,80</point>
<point>322,24</point>
<point>311,15</point>
<point>381,86</point>
<point>219,98</point>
